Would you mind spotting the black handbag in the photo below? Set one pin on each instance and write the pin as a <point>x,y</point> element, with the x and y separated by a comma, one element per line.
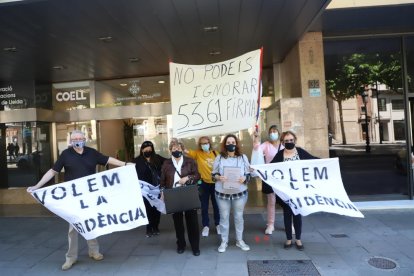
<point>180,199</point>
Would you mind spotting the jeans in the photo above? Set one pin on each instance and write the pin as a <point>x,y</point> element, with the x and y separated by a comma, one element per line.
<point>207,192</point>
<point>238,207</point>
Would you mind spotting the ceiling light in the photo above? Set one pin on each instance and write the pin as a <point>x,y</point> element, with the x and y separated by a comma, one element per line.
<point>161,81</point>
<point>123,84</point>
<point>134,59</point>
<point>58,67</point>
<point>105,39</point>
<point>210,29</point>
<point>214,53</point>
<point>10,49</point>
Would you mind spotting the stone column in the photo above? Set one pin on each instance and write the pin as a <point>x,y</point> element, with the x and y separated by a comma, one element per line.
<point>303,97</point>
<point>312,75</point>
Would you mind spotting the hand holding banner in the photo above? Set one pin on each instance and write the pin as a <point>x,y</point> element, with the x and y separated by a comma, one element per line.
<point>309,186</point>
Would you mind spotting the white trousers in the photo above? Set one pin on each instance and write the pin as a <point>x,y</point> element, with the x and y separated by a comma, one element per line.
<point>72,254</point>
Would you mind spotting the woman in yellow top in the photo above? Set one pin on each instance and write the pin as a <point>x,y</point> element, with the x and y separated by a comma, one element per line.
<point>204,156</point>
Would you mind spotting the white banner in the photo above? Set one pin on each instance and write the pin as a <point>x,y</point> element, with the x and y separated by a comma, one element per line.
<point>98,204</point>
<point>309,186</point>
<point>152,194</point>
<point>217,98</point>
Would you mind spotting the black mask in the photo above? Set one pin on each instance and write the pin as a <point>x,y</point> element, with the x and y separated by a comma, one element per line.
<point>177,153</point>
<point>147,153</point>
<point>289,146</point>
<point>231,148</point>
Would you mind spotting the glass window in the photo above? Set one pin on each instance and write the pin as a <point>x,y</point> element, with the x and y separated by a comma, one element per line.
<point>399,132</point>
<point>397,104</point>
<point>134,91</point>
<point>382,104</point>
<point>17,95</point>
<point>28,152</point>
<point>358,129</point>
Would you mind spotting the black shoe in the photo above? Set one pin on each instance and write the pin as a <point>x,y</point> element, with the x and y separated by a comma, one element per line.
<point>149,233</point>
<point>180,250</point>
<point>196,252</point>
<point>299,247</point>
<point>287,245</point>
<point>156,231</point>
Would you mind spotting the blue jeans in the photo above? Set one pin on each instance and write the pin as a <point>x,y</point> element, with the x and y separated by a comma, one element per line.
<point>207,192</point>
<point>225,206</point>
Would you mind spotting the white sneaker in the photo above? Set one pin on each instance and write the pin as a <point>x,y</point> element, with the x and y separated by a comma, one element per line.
<point>242,245</point>
<point>269,230</point>
<point>218,229</point>
<point>204,233</point>
<point>222,247</point>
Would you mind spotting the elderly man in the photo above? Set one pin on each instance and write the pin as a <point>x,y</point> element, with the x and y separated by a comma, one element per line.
<point>78,161</point>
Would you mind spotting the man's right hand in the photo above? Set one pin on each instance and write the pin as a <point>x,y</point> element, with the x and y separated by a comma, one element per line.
<point>31,189</point>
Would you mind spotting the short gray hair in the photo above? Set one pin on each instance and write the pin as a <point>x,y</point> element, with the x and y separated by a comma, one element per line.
<point>176,142</point>
<point>76,131</point>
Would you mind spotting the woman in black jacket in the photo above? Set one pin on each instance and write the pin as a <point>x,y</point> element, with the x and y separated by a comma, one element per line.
<point>291,153</point>
<point>148,166</point>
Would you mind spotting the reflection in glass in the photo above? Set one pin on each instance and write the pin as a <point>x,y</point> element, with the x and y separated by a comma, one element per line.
<point>374,67</point>
<point>28,152</point>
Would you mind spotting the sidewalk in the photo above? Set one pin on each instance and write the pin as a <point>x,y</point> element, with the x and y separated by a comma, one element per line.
<point>336,245</point>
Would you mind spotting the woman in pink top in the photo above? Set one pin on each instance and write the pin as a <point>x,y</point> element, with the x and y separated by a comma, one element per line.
<point>269,148</point>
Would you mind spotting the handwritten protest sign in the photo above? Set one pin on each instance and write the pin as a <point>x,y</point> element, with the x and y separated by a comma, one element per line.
<point>309,186</point>
<point>98,204</point>
<point>215,98</point>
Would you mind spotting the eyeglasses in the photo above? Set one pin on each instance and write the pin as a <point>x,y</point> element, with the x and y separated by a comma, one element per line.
<point>289,141</point>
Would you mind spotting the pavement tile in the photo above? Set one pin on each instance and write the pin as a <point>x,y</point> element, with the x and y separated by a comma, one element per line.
<point>37,246</point>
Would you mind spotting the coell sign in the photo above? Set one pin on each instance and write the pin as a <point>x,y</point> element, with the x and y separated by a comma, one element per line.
<point>75,95</point>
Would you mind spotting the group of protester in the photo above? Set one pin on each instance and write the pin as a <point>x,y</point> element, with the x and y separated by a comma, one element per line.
<point>203,166</point>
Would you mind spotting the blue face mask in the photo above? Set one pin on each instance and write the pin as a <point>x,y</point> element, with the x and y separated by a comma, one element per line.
<point>78,144</point>
<point>274,136</point>
<point>205,147</point>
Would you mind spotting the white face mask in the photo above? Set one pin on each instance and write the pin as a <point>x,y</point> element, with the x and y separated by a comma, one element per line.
<point>205,147</point>
<point>274,136</point>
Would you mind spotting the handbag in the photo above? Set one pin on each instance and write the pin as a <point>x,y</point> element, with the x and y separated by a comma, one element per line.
<point>180,199</point>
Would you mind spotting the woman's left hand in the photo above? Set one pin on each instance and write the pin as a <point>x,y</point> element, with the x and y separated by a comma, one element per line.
<point>242,179</point>
<point>183,180</point>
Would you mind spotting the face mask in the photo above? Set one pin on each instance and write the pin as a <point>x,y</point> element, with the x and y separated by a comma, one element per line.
<point>177,153</point>
<point>274,136</point>
<point>205,147</point>
<point>289,146</point>
<point>78,144</point>
<point>231,148</point>
<point>147,153</point>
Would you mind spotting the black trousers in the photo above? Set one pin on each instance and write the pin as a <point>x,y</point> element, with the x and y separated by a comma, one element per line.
<point>191,219</point>
<point>287,219</point>
<point>153,216</point>
<point>297,223</point>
